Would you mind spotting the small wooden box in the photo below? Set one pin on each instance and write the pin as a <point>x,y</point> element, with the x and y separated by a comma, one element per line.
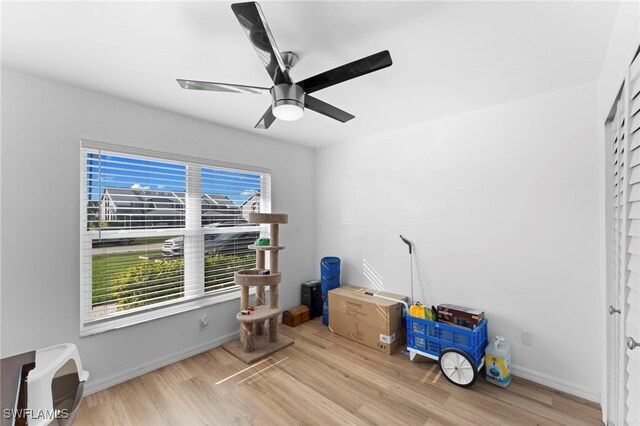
<point>296,316</point>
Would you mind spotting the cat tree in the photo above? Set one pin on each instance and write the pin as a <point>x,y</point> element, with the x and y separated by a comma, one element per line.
<point>253,344</point>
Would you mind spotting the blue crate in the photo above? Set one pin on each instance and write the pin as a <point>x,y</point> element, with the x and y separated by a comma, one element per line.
<point>434,337</point>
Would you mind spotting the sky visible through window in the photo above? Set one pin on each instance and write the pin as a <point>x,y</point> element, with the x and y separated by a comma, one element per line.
<point>112,171</point>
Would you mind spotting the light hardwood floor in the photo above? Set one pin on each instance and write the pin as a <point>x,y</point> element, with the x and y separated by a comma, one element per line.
<point>323,379</point>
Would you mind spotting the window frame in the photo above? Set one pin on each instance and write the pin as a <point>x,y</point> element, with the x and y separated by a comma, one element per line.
<point>192,227</point>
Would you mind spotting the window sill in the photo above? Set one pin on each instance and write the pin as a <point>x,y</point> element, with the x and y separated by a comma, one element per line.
<point>152,313</point>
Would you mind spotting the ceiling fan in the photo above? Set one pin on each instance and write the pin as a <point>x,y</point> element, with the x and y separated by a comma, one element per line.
<point>289,99</point>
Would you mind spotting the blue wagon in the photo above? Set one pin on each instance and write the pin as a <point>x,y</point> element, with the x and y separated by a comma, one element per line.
<point>459,350</point>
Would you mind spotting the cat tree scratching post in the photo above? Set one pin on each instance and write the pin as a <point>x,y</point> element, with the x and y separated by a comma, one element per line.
<point>252,344</point>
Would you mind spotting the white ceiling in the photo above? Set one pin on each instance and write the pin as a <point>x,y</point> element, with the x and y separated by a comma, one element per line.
<point>449,57</point>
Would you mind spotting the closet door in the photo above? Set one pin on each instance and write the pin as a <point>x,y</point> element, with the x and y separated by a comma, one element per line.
<point>631,253</point>
<point>616,140</point>
<point>623,247</point>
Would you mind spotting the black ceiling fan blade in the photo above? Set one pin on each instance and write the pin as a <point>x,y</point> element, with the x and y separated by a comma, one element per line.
<point>254,24</point>
<point>315,104</point>
<point>346,72</point>
<point>266,120</point>
<point>220,87</point>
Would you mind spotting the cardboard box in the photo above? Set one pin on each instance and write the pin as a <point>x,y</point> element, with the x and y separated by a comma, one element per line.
<point>460,315</point>
<point>367,319</point>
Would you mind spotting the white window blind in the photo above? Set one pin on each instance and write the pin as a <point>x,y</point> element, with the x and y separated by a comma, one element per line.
<point>162,233</point>
<point>227,235</point>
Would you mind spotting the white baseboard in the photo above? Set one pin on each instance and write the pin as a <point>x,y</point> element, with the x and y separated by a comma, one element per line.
<point>96,386</point>
<point>555,383</point>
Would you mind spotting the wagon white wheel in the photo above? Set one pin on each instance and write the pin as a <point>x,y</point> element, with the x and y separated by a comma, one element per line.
<point>458,367</point>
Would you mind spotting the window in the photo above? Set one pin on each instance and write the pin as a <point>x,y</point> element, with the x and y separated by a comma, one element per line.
<point>162,233</point>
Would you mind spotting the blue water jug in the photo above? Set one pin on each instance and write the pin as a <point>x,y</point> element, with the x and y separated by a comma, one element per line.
<point>329,279</point>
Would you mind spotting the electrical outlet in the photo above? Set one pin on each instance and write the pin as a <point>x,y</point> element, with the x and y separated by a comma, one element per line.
<point>527,338</point>
<point>204,321</point>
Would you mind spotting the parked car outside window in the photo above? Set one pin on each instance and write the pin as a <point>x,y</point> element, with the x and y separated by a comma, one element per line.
<point>214,243</point>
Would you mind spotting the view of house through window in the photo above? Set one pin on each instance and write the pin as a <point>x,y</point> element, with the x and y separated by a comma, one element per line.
<point>158,231</point>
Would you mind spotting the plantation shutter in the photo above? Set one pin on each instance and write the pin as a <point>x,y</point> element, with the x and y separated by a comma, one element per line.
<point>159,230</point>
<point>631,253</point>
<point>619,223</point>
<point>619,203</point>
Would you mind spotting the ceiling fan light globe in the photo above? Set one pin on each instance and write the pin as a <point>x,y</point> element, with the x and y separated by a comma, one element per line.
<point>288,111</point>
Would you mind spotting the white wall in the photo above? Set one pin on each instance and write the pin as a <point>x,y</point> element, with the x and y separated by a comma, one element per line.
<point>501,204</point>
<point>42,123</point>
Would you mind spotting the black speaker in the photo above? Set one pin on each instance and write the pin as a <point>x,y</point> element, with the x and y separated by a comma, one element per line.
<point>311,296</point>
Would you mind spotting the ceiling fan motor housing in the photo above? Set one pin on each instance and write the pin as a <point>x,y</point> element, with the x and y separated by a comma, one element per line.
<point>287,94</point>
